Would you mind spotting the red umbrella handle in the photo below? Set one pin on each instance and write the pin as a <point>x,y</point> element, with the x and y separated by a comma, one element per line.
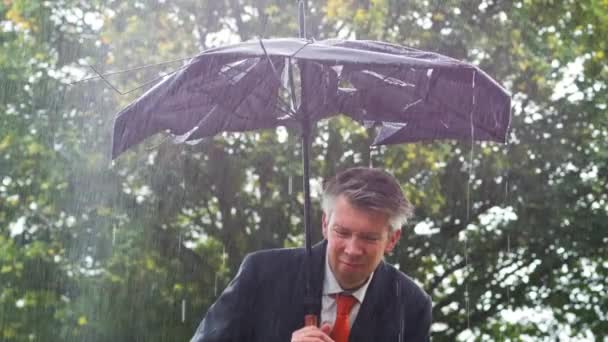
<point>310,320</point>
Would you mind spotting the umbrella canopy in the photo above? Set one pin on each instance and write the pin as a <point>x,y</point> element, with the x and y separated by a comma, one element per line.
<point>412,95</point>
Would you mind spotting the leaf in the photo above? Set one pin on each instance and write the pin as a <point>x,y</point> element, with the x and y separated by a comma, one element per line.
<point>82,320</point>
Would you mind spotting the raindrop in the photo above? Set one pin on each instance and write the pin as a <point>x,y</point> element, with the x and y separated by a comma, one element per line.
<point>409,105</point>
<point>113,235</point>
<point>508,255</point>
<point>290,185</point>
<point>179,244</point>
<point>223,265</point>
<point>508,240</point>
<point>470,178</point>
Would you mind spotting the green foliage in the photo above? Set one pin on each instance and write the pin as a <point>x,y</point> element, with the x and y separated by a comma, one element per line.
<point>93,251</point>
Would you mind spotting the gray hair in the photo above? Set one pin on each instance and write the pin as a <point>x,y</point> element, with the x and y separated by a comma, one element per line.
<point>371,189</point>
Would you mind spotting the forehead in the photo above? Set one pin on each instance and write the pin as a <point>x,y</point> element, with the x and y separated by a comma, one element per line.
<point>359,219</point>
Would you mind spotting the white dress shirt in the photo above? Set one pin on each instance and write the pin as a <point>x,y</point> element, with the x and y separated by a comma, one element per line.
<point>332,288</point>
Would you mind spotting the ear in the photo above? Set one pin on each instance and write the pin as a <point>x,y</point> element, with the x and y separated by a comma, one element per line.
<point>393,238</point>
<point>324,224</point>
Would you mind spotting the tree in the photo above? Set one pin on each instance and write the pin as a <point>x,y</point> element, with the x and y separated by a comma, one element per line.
<point>119,252</point>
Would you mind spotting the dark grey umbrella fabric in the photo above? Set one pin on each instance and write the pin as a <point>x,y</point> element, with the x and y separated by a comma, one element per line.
<point>411,95</point>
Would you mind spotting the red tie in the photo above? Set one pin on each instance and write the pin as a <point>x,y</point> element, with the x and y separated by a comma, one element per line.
<point>341,328</point>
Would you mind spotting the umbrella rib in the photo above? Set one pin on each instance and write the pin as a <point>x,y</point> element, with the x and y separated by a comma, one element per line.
<point>396,69</point>
<point>467,118</point>
<point>291,85</point>
<point>233,112</point>
<point>129,70</point>
<point>383,79</point>
<point>300,49</point>
<point>391,75</point>
<point>152,81</point>
<point>459,114</point>
<point>105,80</point>
<point>136,88</point>
<point>463,116</point>
<point>289,111</point>
<point>276,74</point>
<point>274,70</point>
<point>284,109</point>
<point>243,100</point>
<point>230,79</point>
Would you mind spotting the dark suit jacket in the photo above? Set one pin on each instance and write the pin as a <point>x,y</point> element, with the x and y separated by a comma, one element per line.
<point>264,302</point>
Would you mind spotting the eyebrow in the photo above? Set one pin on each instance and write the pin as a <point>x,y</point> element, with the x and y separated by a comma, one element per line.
<point>375,235</point>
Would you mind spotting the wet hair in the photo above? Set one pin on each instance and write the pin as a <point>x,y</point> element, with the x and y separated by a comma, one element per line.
<point>369,189</point>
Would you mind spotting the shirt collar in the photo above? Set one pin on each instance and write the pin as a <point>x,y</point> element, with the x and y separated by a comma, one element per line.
<point>331,285</point>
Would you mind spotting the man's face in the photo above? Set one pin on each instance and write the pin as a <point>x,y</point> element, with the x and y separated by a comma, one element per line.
<point>356,242</point>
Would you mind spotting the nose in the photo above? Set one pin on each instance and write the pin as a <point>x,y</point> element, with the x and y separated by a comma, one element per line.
<point>353,247</point>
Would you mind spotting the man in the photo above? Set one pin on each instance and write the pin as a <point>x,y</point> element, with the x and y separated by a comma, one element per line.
<point>360,297</point>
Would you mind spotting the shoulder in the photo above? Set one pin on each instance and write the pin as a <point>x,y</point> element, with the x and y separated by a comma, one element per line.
<point>405,285</point>
<point>274,258</point>
<point>416,305</point>
<point>272,266</point>
<point>276,252</point>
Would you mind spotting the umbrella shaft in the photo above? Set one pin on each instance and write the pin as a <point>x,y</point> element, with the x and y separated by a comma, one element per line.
<point>306,132</point>
<point>306,161</point>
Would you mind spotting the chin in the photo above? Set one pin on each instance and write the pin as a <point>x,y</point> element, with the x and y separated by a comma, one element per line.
<point>351,283</point>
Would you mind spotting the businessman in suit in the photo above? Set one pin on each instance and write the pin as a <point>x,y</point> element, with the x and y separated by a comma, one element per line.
<point>358,296</point>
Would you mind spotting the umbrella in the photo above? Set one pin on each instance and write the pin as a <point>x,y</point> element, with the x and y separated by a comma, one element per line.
<point>414,95</point>
<point>411,95</point>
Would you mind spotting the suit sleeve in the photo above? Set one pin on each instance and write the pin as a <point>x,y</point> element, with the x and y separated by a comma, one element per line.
<point>229,318</point>
<point>422,329</point>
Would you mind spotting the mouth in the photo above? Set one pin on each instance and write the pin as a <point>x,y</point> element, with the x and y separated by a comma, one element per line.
<point>352,265</point>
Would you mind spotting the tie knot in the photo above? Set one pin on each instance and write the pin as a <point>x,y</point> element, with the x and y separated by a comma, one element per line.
<point>345,303</point>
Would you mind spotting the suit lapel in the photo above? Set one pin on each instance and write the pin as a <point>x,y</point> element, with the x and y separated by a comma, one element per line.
<point>365,326</point>
<point>318,270</point>
<point>318,267</point>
